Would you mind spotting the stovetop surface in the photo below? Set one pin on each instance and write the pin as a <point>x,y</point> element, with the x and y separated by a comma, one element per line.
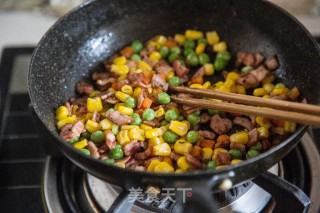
<point>22,156</point>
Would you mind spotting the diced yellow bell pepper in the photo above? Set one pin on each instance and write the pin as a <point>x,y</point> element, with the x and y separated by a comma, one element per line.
<point>183,164</point>
<point>67,120</point>
<point>136,134</point>
<point>212,37</point>
<point>106,124</point>
<point>94,104</point>
<point>178,127</point>
<point>163,167</point>
<point>162,149</point>
<point>193,34</point>
<point>152,164</point>
<point>62,112</point>
<point>241,137</point>
<point>81,144</point>
<point>123,137</point>
<point>182,146</point>
<point>121,60</point>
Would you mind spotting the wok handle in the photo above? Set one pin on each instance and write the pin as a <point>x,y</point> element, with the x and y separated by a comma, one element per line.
<point>285,193</point>
<point>122,204</point>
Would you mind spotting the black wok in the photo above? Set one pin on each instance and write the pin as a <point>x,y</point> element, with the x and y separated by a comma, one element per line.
<point>97,29</point>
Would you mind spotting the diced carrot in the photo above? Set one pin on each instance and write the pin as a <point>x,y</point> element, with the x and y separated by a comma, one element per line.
<point>127,52</point>
<point>139,111</point>
<point>207,143</point>
<point>163,76</point>
<point>147,77</point>
<point>223,139</point>
<point>170,43</point>
<point>146,103</point>
<point>114,85</point>
<point>156,90</point>
<point>196,152</point>
<point>198,80</point>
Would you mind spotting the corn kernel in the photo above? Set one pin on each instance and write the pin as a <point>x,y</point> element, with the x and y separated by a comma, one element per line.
<point>268,79</point>
<point>136,134</point>
<point>155,141</point>
<point>193,34</point>
<point>215,152</point>
<point>92,126</point>
<point>187,123</point>
<point>200,48</point>
<point>182,146</point>
<point>163,167</point>
<point>232,75</point>
<point>290,126</point>
<point>179,38</point>
<point>74,109</point>
<point>81,144</point>
<point>241,137</point>
<point>178,127</point>
<point>129,127</point>
<point>136,92</point>
<point>116,107</point>
<point>160,39</point>
<point>258,92</point>
<point>127,89</point>
<point>235,161</point>
<point>153,43</point>
<point>197,86</point>
<point>183,164</point>
<point>268,87</point>
<point>94,93</point>
<point>119,69</point>
<point>94,104</point>
<point>121,96</point>
<point>150,133</point>
<point>152,164</point>
<point>266,96</point>
<point>224,88</point>
<point>145,126</point>
<point>156,56</point>
<point>150,90</point>
<point>220,47</point>
<point>123,137</point>
<point>62,112</point>
<point>160,112</point>
<point>106,124</point>
<point>279,91</point>
<point>206,85</point>
<point>206,153</point>
<point>120,164</point>
<point>208,69</point>
<point>263,122</point>
<point>279,130</point>
<point>66,120</point>
<point>111,89</point>
<point>229,83</point>
<point>218,84</point>
<point>212,37</point>
<point>221,166</point>
<point>144,66</point>
<point>179,171</point>
<point>170,75</point>
<point>121,60</point>
<point>263,133</point>
<point>280,85</point>
<point>162,149</point>
<point>125,110</point>
<point>293,93</point>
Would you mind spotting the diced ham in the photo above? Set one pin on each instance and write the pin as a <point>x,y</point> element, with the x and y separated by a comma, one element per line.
<point>271,63</point>
<point>66,133</point>
<point>69,107</point>
<point>219,125</point>
<point>157,81</point>
<point>106,81</point>
<point>244,122</point>
<point>141,98</point>
<point>110,140</point>
<point>93,149</point>
<point>147,51</point>
<point>181,70</point>
<point>149,61</point>
<point>204,118</point>
<point>84,88</point>
<point>184,79</point>
<point>200,73</point>
<point>258,59</point>
<point>77,128</point>
<point>247,59</point>
<point>175,156</point>
<point>131,148</point>
<point>145,154</point>
<point>122,83</point>
<point>153,123</point>
<point>109,97</point>
<point>238,146</point>
<point>260,73</point>
<point>207,134</point>
<point>247,80</point>
<point>119,119</point>
<point>132,65</point>
<point>223,158</point>
<point>81,110</point>
<point>193,161</point>
<point>96,116</point>
<point>140,168</point>
<point>253,137</point>
<point>266,144</point>
<point>163,68</point>
<point>135,76</point>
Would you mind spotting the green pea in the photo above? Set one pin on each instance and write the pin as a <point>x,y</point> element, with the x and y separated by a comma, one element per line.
<point>173,57</point>
<point>130,102</point>
<point>137,46</point>
<point>219,64</point>
<point>116,153</point>
<point>171,115</point>
<point>252,153</point>
<point>135,57</point>
<point>189,43</point>
<point>235,154</point>
<point>175,49</point>
<point>246,69</point>
<point>108,161</point>
<point>115,129</point>
<point>192,136</point>
<point>202,41</point>
<point>137,119</point>
<point>174,81</point>
<point>188,51</point>
<point>85,151</point>
<point>257,147</point>
<point>225,55</point>
<point>85,135</point>
<point>148,114</point>
<point>180,118</point>
<point>192,59</point>
<point>164,51</point>
<point>193,119</point>
<point>213,111</point>
<point>118,146</point>
<point>164,122</point>
<point>170,137</point>
<point>97,137</point>
<point>198,112</point>
<point>74,140</point>
<point>203,58</point>
<point>163,98</point>
<point>182,62</point>
<point>211,164</point>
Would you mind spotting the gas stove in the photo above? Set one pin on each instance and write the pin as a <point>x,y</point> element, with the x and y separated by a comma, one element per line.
<point>36,178</point>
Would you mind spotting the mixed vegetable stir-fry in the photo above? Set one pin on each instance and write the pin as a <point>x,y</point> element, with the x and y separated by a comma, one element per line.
<point>125,115</point>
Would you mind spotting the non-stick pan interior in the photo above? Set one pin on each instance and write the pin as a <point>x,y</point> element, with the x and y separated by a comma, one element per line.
<point>96,30</point>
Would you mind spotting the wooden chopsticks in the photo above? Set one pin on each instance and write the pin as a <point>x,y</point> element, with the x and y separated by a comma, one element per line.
<point>245,104</point>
